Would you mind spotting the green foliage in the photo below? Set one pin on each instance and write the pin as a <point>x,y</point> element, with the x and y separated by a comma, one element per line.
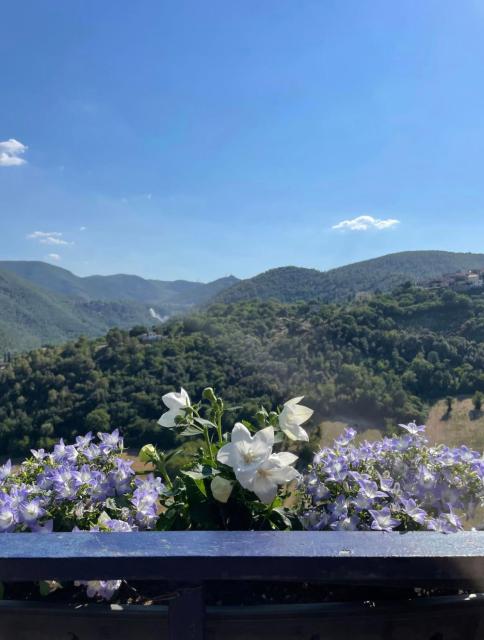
<point>383,360</point>
<point>45,304</point>
<point>477,400</point>
<point>292,284</point>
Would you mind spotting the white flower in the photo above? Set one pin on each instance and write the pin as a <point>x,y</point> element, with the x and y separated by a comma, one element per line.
<point>246,452</point>
<point>292,417</point>
<point>221,488</point>
<point>265,480</point>
<point>175,402</point>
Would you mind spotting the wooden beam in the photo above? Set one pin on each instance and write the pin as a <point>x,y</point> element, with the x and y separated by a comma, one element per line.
<point>420,558</point>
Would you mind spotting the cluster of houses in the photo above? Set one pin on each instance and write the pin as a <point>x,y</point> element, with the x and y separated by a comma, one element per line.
<point>460,281</point>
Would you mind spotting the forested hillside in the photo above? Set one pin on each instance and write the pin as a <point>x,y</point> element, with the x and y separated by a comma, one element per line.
<point>114,288</point>
<point>293,284</point>
<point>31,316</point>
<point>44,304</point>
<point>384,360</point>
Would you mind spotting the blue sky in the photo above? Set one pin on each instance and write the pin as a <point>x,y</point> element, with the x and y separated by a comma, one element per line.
<point>196,139</point>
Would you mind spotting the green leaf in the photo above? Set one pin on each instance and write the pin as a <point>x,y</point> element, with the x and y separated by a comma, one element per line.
<point>205,423</point>
<point>234,408</point>
<point>200,473</point>
<point>175,452</point>
<point>191,430</point>
<point>46,587</point>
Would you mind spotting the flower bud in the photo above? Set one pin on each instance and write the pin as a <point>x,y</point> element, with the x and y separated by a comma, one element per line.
<point>209,394</point>
<point>221,489</point>
<point>148,453</point>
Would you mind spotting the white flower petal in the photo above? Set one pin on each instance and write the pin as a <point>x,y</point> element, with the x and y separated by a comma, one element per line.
<point>295,432</point>
<point>264,489</point>
<point>176,400</point>
<point>283,475</point>
<point>168,418</point>
<point>292,417</point>
<point>285,458</point>
<point>302,413</point>
<point>240,433</point>
<point>293,401</point>
<point>265,437</point>
<point>226,453</point>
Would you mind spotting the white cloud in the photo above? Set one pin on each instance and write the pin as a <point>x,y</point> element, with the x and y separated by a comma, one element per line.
<point>365,223</point>
<point>54,257</point>
<point>48,237</point>
<point>82,228</point>
<point>11,152</point>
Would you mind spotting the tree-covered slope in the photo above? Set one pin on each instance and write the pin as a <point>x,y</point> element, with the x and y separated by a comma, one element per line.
<point>116,287</point>
<point>31,316</point>
<point>41,303</point>
<point>290,284</point>
<point>383,360</point>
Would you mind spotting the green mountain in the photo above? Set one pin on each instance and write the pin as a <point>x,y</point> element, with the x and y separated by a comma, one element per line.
<point>45,304</point>
<point>290,284</point>
<point>164,294</point>
<point>383,360</point>
<point>42,303</point>
<point>31,316</point>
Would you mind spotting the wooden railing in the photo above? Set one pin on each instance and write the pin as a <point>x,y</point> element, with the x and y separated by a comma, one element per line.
<point>193,559</point>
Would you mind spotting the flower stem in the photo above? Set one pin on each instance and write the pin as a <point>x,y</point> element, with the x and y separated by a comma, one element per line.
<point>209,444</point>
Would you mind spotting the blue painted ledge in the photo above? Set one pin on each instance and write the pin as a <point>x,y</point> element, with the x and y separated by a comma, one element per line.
<point>419,558</point>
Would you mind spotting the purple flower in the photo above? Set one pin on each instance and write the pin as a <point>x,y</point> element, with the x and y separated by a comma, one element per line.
<point>84,441</point>
<point>350,523</point>
<point>412,428</point>
<point>5,470</point>
<point>346,437</point>
<point>64,453</point>
<point>110,441</point>
<point>30,511</point>
<point>104,589</point>
<point>47,527</point>
<point>382,520</point>
<point>413,511</point>
<point>369,489</point>
<point>7,519</point>
<point>38,454</point>
<point>120,478</point>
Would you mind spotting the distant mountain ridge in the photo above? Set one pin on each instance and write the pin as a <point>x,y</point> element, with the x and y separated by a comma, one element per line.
<point>116,287</point>
<point>42,303</point>
<point>291,284</point>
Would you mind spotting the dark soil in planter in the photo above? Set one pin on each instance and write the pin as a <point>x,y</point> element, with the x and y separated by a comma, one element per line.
<point>229,593</point>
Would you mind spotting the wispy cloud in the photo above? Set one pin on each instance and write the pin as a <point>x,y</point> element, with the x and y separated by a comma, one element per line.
<point>53,257</point>
<point>48,237</point>
<point>366,223</point>
<point>11,152</point>
<point>82,228</point>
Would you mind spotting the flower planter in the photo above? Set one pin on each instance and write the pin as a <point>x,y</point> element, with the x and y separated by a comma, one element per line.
<point>437,618</point>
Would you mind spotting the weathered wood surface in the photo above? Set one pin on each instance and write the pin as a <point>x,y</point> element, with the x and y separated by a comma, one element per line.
<point>420,558</point>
